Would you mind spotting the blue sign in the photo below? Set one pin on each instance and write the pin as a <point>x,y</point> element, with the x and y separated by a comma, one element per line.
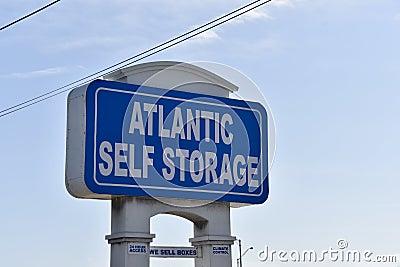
<point>144,141</point>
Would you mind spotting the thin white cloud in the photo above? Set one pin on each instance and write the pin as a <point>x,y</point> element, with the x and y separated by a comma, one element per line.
<point>261,13</point>
<point>207,36</point>
<point>282,3</point>
<point>36,73</point>
<point>256,14</point>
<point>252,15</point>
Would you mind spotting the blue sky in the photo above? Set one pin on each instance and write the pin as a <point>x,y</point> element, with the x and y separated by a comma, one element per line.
<point>330,73</point>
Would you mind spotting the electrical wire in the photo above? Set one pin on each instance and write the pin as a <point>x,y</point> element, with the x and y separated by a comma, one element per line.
<point>29,15</point>
<point>134,59</point>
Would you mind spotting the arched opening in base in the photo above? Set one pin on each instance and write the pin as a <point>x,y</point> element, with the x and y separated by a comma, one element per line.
<point>172,231</point>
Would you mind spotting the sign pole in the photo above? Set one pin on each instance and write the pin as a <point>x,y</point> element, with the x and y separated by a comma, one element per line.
<point>240,252</point>
<point>130,235</point>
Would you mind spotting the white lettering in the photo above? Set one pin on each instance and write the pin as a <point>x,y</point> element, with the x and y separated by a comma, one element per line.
<point>207,116</point>
<point>226,118</point>
<point>132,171</point>
<point>177,124</point>
<point>150,109</point>
<point>226,172</point>
<point>216,127</point>
<point>120,158</point>
<point>146,160</point>
<point>211,165</point>
<point>251,170</point>
<point>136,119</point>
<point>196,156</point>
<point>193,124</point>
<point>182,154</point>
<point>240,179</point>
<point>168,153</point>
<point>161,131</point>
<point>106,171</point>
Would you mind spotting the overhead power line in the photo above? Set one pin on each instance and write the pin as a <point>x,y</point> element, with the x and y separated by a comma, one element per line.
<point>29,15</point>
<point>152,51</point>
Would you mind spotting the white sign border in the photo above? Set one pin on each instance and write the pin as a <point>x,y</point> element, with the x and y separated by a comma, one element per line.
<point>169,188</point>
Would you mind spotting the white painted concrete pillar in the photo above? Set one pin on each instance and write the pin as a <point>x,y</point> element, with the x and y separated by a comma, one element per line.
<point>216,251</point>
<point>130,233</point>
<point>214,237</point>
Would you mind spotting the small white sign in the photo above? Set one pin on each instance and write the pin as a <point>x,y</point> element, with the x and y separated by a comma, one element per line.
<point>137,248</point>
<point>220,250</point>
<point>174,252</point>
